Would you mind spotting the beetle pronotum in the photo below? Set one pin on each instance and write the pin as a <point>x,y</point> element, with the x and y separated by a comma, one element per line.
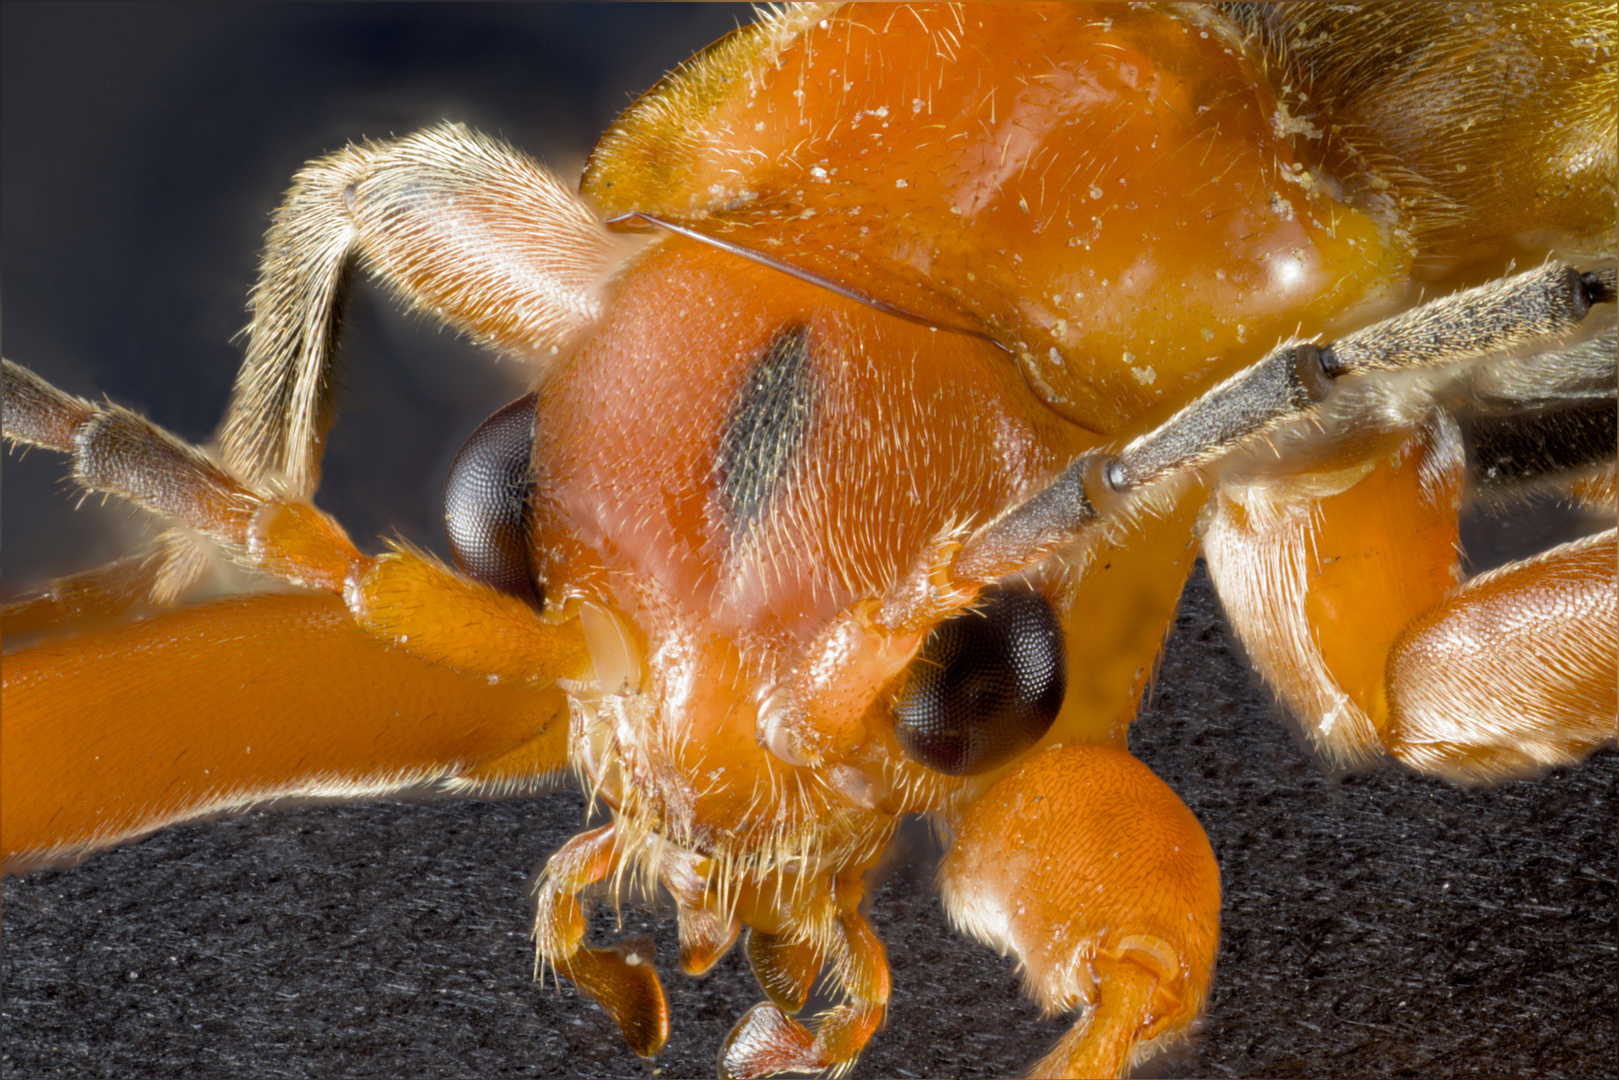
<point>1229,1014</point>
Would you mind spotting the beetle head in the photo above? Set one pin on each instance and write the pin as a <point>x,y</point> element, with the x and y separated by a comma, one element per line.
<point>742,468</point>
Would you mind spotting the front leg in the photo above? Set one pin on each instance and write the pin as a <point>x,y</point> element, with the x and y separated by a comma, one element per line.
<point>1352,606</point>
<point>1092,872</point>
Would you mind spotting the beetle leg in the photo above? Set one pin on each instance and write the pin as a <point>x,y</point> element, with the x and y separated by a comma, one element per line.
<point>402,597</point>
<point>1351,604</point>
<point>767,1040</point>
<point>622,979</point>
<point>1088,869</point>
<point>460,226</point>
<point>110,736</point>
<point>157,574</point>
<point>1515,671</point>
<point>1317,589</point>
<point>1295,390</point>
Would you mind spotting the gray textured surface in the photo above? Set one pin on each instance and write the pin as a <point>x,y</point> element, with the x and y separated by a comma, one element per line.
<point>1382,924</point>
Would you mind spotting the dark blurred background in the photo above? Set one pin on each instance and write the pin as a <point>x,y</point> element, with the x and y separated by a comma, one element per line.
<point>1376,924</point>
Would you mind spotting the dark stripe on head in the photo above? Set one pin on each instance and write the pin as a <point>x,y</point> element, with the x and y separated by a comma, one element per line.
<point>769,423</point>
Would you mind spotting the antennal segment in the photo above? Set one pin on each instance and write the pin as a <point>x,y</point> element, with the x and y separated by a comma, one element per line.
<point>1533,313</point>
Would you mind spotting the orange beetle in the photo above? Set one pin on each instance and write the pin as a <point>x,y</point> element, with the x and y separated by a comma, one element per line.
<point>1153,632</point>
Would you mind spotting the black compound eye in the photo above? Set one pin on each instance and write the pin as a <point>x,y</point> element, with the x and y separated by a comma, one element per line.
<point>986,685</point>
<point>486,502</point>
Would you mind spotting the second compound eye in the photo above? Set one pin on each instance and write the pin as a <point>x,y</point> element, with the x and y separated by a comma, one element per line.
<point>986,685</point>
<point>486,501</point>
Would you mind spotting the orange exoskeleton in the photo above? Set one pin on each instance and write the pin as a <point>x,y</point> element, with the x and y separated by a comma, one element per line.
<point>891,371</point>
